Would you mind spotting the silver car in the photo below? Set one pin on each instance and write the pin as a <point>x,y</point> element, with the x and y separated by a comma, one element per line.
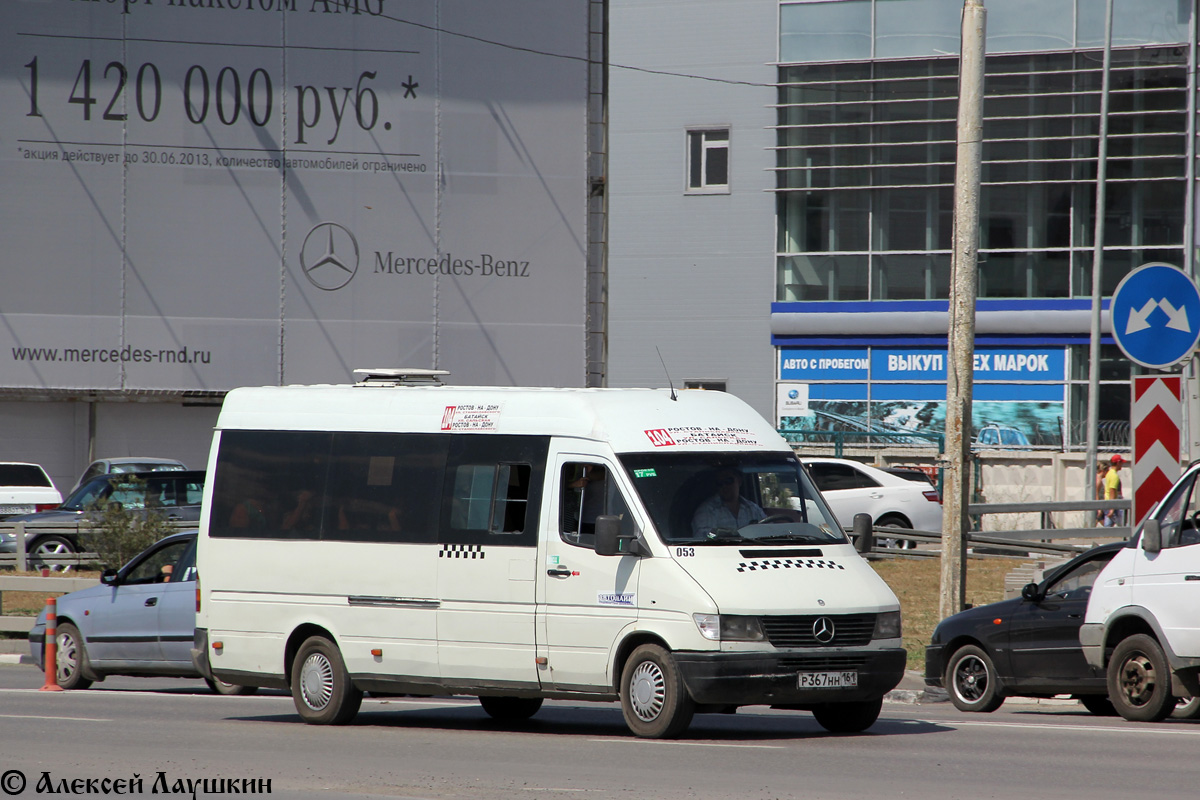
<point>138,621</point>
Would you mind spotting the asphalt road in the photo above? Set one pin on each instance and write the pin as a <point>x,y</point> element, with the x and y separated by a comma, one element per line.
<point>448,748</point>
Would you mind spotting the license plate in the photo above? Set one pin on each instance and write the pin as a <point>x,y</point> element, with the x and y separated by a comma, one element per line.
<point>828,680</point>
<point>16,509</point>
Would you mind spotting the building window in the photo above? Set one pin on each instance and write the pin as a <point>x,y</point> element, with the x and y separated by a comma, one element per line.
<point>708,161</point>
<point>865,174</point>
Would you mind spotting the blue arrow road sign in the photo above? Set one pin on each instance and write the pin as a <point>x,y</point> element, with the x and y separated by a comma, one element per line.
<point>1155,315</point>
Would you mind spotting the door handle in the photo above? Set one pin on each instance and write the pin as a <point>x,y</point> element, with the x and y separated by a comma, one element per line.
<point>151,601</point>
<point>559,572</point>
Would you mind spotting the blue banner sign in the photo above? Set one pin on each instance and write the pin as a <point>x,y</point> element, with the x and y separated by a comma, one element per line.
<point>991,364</point>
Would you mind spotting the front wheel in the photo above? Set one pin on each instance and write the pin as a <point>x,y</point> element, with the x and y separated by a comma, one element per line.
<point>221,687</point>
<point>321,687</point>
<point>848,717</point>
<point>1098,704</point>
<point>1139,681</point>
<point>71,658</point>
<point>971,680</point>
<point>654,701</point>
<point>511,709</point>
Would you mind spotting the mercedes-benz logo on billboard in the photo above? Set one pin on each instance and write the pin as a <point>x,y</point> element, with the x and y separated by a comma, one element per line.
<point>823,630</point>
<point>329,256</point>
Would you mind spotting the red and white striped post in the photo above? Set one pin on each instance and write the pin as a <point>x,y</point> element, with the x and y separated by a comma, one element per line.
<point>51,647</point>
<point>1157,418</point>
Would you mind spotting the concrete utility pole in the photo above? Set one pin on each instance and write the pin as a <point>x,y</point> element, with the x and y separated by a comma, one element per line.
<point>1093,401</point>
<point>964,267</point>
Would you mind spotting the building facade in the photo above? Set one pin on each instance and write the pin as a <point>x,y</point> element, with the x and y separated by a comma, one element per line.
<point>204,194</point>
<point>859,169</point>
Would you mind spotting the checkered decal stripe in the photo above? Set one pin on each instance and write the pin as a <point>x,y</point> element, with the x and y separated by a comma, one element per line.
<point>462,551</point>
<point>788,563</point>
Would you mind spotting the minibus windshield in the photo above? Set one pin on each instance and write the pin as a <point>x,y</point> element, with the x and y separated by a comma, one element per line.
<point>731,498</point>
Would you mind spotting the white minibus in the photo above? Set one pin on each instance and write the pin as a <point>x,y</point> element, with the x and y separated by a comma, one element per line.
<point>663,549</point>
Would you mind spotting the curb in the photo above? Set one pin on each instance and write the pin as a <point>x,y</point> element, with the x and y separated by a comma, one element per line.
<point>916,696</point>
<point>15,658</point>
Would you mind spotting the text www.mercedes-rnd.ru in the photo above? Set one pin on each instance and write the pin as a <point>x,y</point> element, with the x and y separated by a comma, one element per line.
<point>111,355</point>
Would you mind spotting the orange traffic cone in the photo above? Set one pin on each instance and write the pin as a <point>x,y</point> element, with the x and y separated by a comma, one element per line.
<point>51,651</point>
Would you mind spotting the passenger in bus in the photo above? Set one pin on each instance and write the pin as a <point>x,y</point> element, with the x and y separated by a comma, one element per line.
<point>726,509</point>
<point>248,514</point>
<point>303,516</point>
<point>359,514</point>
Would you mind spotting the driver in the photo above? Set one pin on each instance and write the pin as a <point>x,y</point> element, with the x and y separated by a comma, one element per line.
<point>727,508</point>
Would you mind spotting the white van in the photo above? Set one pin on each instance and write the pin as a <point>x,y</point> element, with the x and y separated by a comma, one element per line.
<point>402,537</point>
<point>1142,625</point>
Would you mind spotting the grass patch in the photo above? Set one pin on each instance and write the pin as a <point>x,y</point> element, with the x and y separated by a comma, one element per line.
<point>916,583</point>
<point>30,604</point>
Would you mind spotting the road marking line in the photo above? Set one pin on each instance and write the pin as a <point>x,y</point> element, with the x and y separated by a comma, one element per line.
<point>1170,731</point>
<point>694,744</point>
<point>62,719</point>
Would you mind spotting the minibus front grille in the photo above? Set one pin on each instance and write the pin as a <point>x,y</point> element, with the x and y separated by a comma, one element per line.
<point>823,663</point>
<point>803,630</point>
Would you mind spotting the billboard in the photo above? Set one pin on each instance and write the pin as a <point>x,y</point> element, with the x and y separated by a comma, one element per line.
<point>201,194</point>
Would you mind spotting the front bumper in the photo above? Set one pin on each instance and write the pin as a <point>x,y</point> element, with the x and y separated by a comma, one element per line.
<point>935,665</point>
<point>773,679</point>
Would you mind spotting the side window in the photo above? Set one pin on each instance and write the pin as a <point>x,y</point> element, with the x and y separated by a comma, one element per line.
<point>158,566</point>
<point>831,477</point>
<point>586,492</point>
<point>493,489</point>
<point>490,497</point>
<point>1177,516</point>
<point>708,161</point>
<point>1077,584</point>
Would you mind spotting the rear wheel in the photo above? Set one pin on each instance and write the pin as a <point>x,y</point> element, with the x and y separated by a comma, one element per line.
<point>71,658</point>
<point>891,543</point>
<point>511,709</point>
<point>51,546</point>
<point>848,717</point>
<point>221,687</point>
<point>1139,681</point>
<point>321,687</point>
<point>1187,708</point>
<point>654,701</point>
<point>971,680</point>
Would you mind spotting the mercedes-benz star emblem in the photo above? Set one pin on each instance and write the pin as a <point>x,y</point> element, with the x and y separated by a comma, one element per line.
<point>823,630</point>
<point>329,256</point>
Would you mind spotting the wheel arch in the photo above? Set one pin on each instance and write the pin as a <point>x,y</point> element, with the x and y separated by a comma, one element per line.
<point>630,643</point>
<point>297,638</point>
<point>894,515</point>
<point>1131,621</point>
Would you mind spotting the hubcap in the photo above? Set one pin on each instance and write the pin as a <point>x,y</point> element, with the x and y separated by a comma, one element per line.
<point>1138,680</point>
<point>970,679</point>
<point>647,691</point>
<point>67,661</point>
<point>316,681</point>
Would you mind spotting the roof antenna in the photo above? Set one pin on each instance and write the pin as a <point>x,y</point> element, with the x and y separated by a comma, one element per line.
<point>669,383</point>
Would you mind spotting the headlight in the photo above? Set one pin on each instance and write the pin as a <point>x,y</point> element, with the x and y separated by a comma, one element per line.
<point>887,625</point>
<point>729,627</point>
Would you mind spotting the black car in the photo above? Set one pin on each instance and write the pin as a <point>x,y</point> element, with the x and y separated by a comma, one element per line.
<point>174,495</point>
<point>1024,647</point>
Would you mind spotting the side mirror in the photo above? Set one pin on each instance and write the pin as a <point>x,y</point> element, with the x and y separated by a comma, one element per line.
<point>864,536</point>
<point>1151,536</point>
<point>1030,592</point>
<point>109,577</point>
<point>611,542</point>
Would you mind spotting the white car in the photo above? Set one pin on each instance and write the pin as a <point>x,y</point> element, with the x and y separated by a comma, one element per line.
<point>25,489</point>
<point>850,488</point>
